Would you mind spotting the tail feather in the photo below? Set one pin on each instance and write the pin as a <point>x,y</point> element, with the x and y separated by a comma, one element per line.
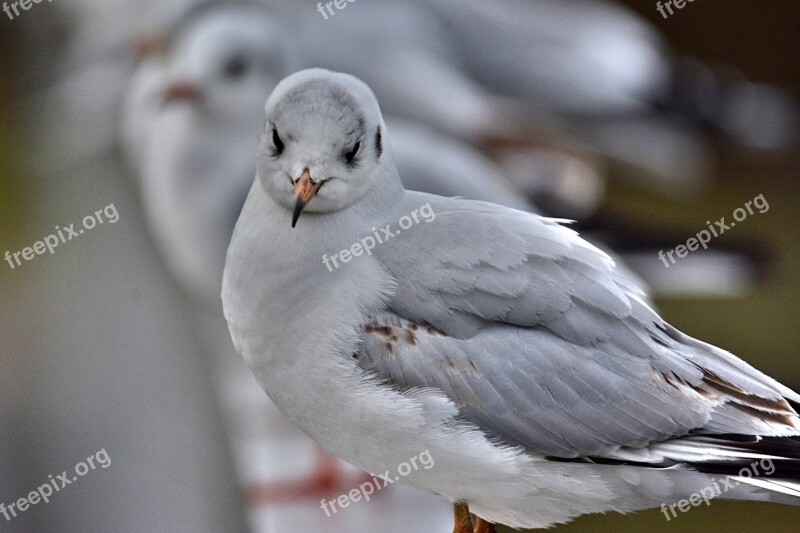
<point>779,491</point>
<point>771,464</point>
<point>791,488</point>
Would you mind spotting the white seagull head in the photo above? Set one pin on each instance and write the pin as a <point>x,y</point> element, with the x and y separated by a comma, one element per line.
<point>225,62</point>
<point>323,147</point>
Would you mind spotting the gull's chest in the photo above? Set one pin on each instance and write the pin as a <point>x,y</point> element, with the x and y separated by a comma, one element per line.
<point>295,322</point>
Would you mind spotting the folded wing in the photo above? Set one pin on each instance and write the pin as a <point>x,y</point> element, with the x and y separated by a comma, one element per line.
<point>537,339</point>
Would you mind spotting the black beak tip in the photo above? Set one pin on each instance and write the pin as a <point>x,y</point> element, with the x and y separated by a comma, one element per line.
<point>298,208</point>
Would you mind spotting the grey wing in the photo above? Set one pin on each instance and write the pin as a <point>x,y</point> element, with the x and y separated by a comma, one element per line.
<point>531,332</point>
<point>532,388</point>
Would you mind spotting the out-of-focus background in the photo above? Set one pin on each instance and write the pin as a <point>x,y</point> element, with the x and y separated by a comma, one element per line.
<point>640,125</point>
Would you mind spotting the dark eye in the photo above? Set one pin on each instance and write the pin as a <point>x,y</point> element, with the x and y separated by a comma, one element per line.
<point>379,143</point>
<point>277,143</point>
<point>235,68</point>
<point>350,156</point>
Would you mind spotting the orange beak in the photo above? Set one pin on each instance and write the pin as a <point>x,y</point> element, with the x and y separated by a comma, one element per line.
<point>181,91</point>
<point>304,191</point>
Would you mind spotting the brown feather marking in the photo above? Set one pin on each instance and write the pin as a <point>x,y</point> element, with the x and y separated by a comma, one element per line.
<point>779,407</point>
<point>785,419</point>
<point>383,331</point>
<point>675,382</point>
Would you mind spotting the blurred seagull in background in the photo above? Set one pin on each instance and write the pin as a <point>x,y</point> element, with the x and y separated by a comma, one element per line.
<point>189,130</point>
<point>502,343</point>
<point>612,76</point>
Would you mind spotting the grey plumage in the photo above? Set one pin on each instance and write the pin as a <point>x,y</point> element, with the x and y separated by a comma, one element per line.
<point>519,311</point>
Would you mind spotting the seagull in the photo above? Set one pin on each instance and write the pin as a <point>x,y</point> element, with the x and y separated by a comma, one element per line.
<point>496,340</point>
<point>569,48</point>
<point>190,127</point>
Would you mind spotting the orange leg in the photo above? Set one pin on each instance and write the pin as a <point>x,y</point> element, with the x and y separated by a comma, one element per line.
<point>463,523</point>
<point>484,527</point>
<point>326,479</point>
<point>326,469</point>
